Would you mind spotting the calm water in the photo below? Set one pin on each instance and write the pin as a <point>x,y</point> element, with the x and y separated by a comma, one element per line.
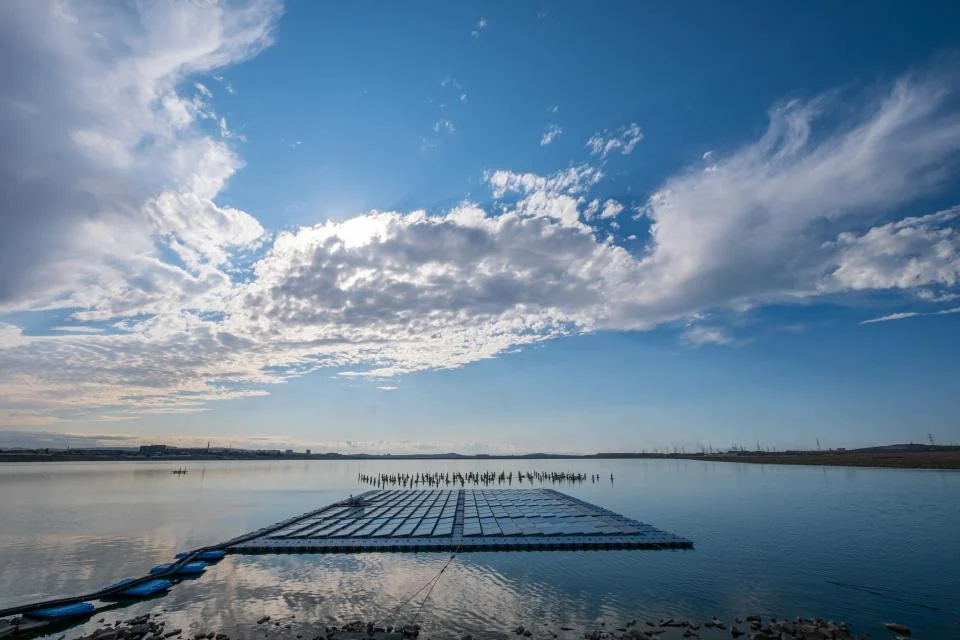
<point>769,540</point>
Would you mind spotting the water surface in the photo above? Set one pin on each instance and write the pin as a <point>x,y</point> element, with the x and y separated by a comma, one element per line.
<point>772,540</point>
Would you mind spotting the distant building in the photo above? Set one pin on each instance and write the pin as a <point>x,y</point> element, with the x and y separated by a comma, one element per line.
<point>288,451</point>
<point>153,449</point>
<point>308,451</point>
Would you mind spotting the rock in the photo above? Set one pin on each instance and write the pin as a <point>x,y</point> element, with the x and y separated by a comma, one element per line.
<point>896,627</point>
<point>519,630</point>
<point>735,631</point>
<point>263,619</point>
<point>172,632</point>
<point>105,634</point>
<point>527,633</point>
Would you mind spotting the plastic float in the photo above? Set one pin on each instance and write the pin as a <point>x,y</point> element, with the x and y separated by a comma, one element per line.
<point>146,589</point>
<point>188,569</point>
<point>62,612</point>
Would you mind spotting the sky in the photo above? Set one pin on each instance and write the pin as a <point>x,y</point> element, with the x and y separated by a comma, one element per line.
<point>479,227</point>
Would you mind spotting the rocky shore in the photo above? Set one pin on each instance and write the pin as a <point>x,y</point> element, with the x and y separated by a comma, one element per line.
<point>753,627</point>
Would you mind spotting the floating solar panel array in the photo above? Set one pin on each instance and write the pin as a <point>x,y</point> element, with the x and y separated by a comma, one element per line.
<point>458,519</point>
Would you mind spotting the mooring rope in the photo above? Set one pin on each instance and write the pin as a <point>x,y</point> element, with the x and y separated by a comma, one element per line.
<point>432,582</point>
<point>427,597</point>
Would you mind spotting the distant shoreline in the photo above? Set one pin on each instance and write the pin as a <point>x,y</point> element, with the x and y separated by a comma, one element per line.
<point>942,460</point>
<point>896,457</point>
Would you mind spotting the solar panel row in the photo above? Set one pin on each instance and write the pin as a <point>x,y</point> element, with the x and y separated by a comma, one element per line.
<point>486,513</point>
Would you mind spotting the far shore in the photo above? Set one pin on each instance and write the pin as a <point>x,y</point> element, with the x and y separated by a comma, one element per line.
<point>906,456</point>
<point>944,460</point>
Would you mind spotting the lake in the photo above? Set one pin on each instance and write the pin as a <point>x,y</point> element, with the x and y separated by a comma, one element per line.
<point>771,540</point>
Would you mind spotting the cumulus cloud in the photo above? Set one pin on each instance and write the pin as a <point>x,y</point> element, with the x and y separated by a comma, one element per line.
<point>102,129</point>
<point>200,303</point>
<point>900,255</point>
<point>552,133</point>
<point>624,141</point>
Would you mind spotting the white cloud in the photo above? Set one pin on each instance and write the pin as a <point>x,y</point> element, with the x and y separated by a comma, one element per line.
<point>203,304</point>
<point>699,335</point>
<point>387,387</point>
<point>481,25</point>
<point>909,253</point>
<point>77,329</point>
<point>574,180</point>
<point>893,316</point>
<point>611,209</point>
<point>911,314</point>
<point>552,133</point>
<point>624,140</point>
<point>782,217</point>
<point>444,126</point>
<point>11,336</point>
<point>116,134</point>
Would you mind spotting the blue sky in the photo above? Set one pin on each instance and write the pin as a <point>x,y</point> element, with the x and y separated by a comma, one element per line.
<point>488,227</point>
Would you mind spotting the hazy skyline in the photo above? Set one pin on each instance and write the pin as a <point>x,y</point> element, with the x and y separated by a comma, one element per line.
<point>473,227</point>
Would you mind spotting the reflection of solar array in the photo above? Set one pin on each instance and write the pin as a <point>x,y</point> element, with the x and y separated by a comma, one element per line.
<point>411,519</point>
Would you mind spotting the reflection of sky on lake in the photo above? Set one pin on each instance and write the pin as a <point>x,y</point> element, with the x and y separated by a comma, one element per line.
<point>767,541</point>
